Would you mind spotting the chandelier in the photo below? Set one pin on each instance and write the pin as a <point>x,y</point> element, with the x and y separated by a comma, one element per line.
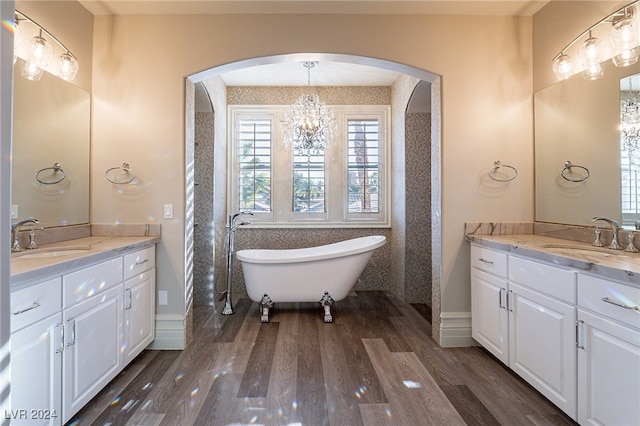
<point>308,123</point>
<point>630,124</point>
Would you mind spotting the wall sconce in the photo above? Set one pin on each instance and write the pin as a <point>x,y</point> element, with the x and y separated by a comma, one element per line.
<point>37,53</point>
<point>624,35</point>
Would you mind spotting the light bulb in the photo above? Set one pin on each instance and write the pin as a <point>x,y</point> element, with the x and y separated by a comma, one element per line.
<point>562,66</point>
<point>31,71</point>
<point>590,52</point>
<point>67,66</point>
<point>626,57</point>
<point>593,71</point>
<point>41,51</point>
<point>624,34</point>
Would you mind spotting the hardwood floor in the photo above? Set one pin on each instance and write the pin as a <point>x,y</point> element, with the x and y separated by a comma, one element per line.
<point>376,364</point>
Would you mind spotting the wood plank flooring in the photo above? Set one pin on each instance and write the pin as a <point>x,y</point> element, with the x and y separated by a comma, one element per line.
<point>376,364</point>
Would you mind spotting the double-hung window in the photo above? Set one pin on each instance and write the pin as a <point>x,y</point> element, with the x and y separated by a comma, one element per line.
<point>345,186</point>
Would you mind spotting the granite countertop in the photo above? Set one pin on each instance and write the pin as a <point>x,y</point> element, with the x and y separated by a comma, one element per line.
<point>93,250</point>
<point>607,263</point>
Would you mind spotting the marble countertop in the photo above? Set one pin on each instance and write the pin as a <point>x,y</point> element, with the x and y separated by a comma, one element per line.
<point>611,264</point>
<point>94,250</point>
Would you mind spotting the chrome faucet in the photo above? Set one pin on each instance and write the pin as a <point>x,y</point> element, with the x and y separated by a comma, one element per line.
<point>614,229</point>
<point>15,233</point>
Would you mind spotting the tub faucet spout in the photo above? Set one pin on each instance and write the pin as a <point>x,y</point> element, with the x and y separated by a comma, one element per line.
<point>614,230</point>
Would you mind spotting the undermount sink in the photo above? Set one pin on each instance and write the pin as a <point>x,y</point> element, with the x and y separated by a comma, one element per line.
<point>590,249</point>
<point>51,252</point>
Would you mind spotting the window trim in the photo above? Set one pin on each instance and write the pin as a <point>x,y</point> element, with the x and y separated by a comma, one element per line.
<point>336,213</point>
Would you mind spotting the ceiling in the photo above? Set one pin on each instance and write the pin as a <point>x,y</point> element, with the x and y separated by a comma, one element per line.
<point>431,7</point>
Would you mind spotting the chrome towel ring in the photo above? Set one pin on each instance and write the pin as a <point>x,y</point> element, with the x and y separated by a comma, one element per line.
<point>56,169</point>
<point>496,166</point>
<point>115,172</point>
<point>568,166</point>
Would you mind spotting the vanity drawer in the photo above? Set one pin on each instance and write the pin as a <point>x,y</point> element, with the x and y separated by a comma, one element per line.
<point>489,260</point>
<point>31,304</point>
<point>556,282</point>
<point>138,262</point>
<point>90,281</point>
<point>621,302</point>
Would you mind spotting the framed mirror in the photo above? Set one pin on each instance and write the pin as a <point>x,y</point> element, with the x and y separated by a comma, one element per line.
<point>50,152</point>
<point>577,135</point>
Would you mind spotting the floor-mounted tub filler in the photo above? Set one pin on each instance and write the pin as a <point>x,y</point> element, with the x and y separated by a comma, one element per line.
<point>326,273</point>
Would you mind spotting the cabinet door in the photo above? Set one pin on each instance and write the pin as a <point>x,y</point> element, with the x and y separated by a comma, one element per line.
<point>542,345</point>
<point>139,313</point>
<point>489,318</point>
<point>92,356</point>
<point>36,371</point>
<point>608,372</point>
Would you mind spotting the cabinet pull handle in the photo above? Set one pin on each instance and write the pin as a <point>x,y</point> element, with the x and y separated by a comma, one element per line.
<point>579,324</point>
<point>61,347</point>
<point>22,311</point>
<point>621,305</point>
<point>490,262</point>
<point>141,263</point>
<point>127,304</point>
<point>73,332</point>
<point>510,301</point>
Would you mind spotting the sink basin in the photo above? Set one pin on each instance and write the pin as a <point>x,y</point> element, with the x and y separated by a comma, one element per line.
<point>587,249</point>
<point>50,252</point>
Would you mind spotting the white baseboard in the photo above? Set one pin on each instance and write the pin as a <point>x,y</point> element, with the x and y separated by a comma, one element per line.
<point>170,332</point>
<point>455,330</point>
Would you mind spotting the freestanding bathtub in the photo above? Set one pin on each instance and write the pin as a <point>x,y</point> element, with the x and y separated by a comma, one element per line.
<point>324,273</point>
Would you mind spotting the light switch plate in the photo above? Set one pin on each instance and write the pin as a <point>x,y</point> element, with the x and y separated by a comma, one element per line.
<point>14,211</point>
<point>162,298</point>
<point>168,211</point>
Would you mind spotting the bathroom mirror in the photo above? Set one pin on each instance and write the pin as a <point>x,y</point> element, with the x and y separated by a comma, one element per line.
<point>50,151</point>
<point>578,121</point>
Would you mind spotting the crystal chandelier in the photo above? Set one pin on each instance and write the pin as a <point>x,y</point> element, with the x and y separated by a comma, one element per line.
<point>308,124</point>
<point>630,124</point>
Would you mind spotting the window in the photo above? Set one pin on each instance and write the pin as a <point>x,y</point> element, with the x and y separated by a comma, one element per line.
<point>345,186</point>
<point>254,164</point>
<point>363,162</point>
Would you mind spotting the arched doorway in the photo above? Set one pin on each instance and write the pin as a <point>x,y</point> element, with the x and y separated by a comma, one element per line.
<point>217,91</point>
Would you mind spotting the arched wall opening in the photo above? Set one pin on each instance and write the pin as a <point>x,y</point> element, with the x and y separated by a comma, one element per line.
<point>408,175</point>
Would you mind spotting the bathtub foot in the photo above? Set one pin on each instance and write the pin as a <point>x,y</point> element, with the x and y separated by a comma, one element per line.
<point>326,303</point>
<point>265,304</point>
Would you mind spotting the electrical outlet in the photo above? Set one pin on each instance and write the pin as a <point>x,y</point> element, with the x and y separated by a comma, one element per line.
<point>163,298</point>
<point>14,211</point>
<point>168,211</point>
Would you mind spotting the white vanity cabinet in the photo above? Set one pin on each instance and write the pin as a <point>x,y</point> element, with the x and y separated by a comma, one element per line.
<point>523,312</point>
<point>489,316</point>
<point>92,318</point>
<point>72,334</point>
<point>139,302</point>
<point>36,354</point>
<point>608,352</point>
<point>542,329</point>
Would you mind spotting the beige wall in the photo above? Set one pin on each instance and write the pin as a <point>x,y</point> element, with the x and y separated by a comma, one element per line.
<point>140,63</point>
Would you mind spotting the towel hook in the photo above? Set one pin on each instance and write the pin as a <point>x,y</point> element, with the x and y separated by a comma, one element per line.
<point>124,168</point>
<point>496,166</point>
<point>56,169</point>
<point>568,166</point>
